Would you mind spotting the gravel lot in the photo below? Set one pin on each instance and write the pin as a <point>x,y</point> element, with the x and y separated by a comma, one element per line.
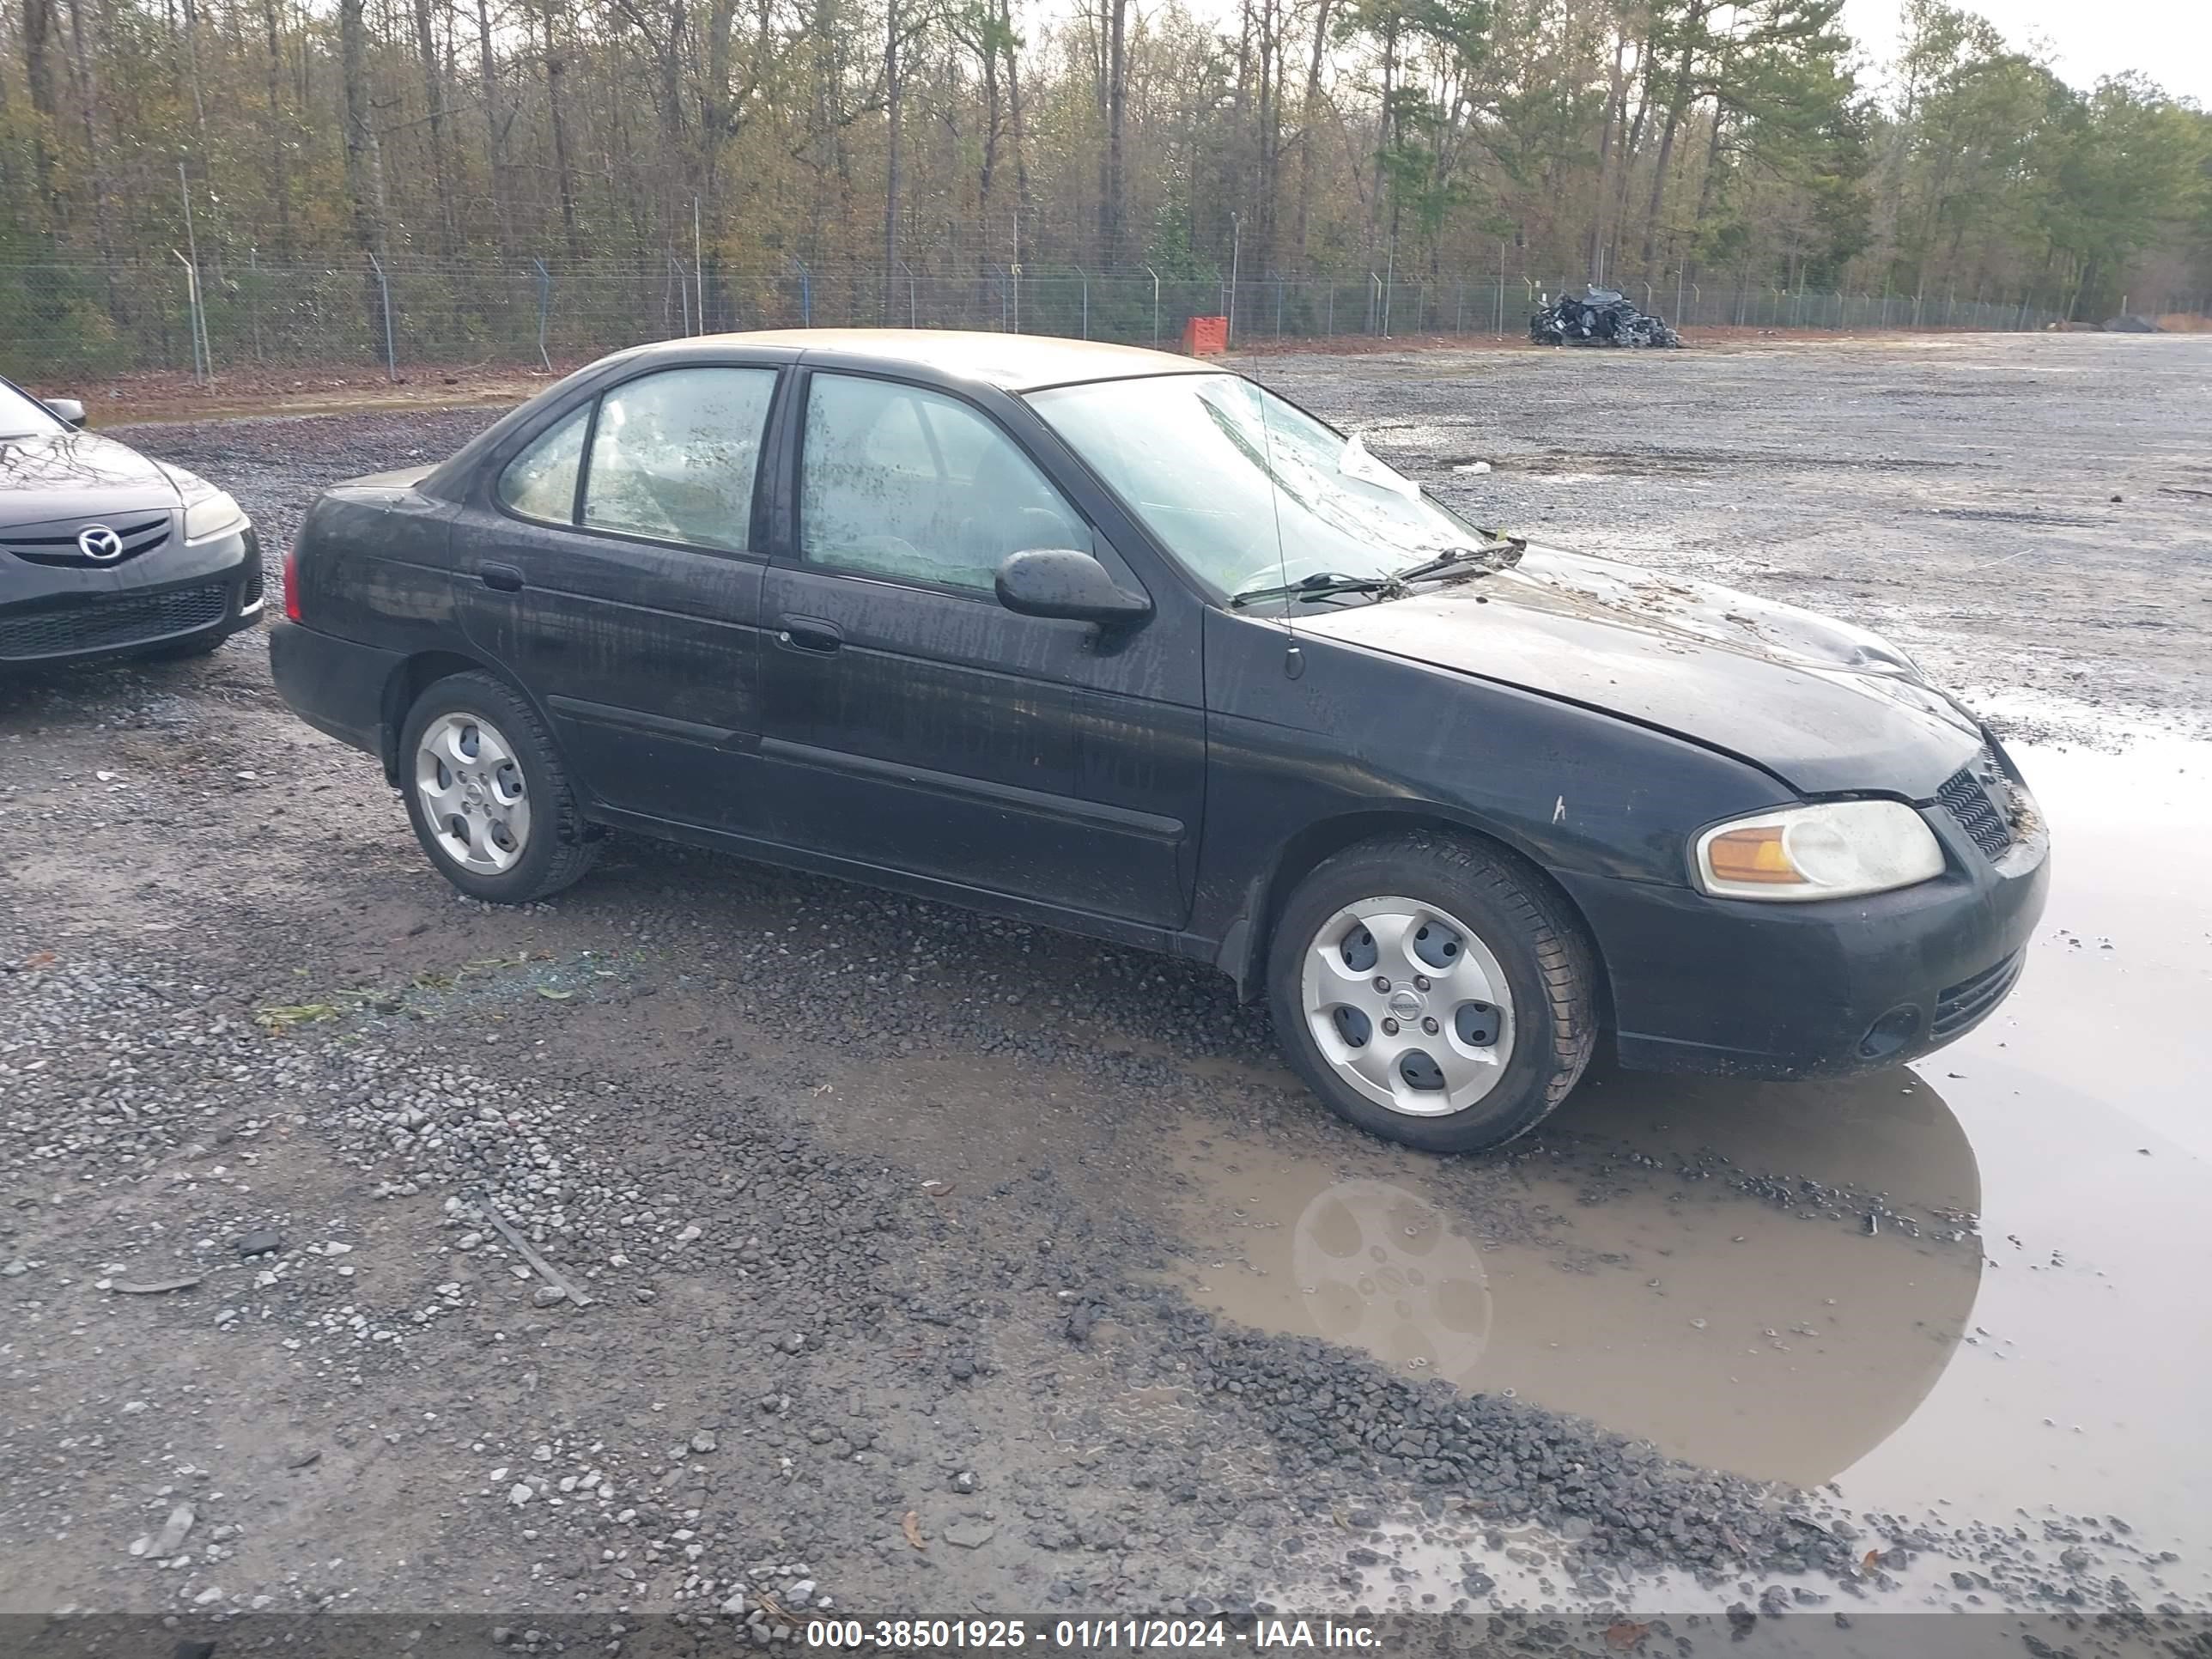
<point>2030,515</point>
<point>913,1248</point>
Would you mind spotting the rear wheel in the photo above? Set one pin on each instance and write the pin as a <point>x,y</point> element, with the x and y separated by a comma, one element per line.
<point>488,795</point>
<point>1433,992</point>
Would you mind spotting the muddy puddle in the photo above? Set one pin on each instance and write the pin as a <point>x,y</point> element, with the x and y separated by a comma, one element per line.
<point>1975,1287</point>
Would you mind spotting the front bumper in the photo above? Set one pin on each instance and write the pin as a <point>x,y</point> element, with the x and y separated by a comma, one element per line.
<point>1762,989</point>
<point>52,615</point>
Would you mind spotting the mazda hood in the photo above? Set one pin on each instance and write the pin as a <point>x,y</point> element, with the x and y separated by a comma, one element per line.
<point>1822,705</point>
<point>71,474</point>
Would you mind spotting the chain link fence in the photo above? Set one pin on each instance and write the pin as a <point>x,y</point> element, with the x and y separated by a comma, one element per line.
<point>233,315</point>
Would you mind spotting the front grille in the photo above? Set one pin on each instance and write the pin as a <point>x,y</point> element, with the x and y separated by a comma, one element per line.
<point>125,619</point>
<point>56,544</point>
<point>1979,796</point>
<point>1964,1003</point>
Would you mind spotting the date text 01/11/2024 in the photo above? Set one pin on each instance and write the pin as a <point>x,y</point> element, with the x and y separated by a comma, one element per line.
<point>1087,1635</point>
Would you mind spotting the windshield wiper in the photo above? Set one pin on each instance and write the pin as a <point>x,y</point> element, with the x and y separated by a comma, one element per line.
<point>1319,586</point>
<point>1454,562</point>
<point>1491,556</point>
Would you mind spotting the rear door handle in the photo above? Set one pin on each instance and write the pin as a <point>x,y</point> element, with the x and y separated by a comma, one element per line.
<point>505,578</point>
<point>809,634</point>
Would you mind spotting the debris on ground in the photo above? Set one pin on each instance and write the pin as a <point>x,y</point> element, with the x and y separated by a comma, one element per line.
<point>157,1287</point>
<point>1599,316</point>
<point>2127,323</point>
<point>171,1538</point>
<point>561,1288</point>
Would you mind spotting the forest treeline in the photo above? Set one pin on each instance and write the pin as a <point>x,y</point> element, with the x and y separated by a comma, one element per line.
<point>1753,141</point>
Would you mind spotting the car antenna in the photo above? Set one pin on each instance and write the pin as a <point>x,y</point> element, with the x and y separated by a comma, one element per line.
<point>1294,661</point>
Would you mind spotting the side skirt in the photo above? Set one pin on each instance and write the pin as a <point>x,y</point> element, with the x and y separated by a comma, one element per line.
<point>1112,929</point>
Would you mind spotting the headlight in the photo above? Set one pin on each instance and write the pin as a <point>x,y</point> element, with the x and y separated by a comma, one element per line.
<point>213,514</point>
<point>1830,850</point>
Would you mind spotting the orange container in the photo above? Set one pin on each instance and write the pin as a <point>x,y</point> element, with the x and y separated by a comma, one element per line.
<point>1206,336</point>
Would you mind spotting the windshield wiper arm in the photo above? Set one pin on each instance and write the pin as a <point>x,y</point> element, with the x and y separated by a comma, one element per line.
<point>1457,562</point>
<point>1320,585</point>
<point>1491,556</point>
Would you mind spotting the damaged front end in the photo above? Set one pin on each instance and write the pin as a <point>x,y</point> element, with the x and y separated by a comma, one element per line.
<point>1600,316</point>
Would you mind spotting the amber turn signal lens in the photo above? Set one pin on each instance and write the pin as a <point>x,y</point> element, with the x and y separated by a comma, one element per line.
<point>1753,854</point>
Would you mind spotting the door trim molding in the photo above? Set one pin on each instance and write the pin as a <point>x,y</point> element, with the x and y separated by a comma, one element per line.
<point>659,725</point>
<point>1040,803</point>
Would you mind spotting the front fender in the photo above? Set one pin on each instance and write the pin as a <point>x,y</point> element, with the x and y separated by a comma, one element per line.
<point>1359,743</point>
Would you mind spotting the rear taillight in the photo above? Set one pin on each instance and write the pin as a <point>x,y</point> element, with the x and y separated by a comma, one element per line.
<point>291,585</point>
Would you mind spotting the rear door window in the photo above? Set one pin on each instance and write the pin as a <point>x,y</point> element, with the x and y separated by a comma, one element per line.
<point>674,455</point>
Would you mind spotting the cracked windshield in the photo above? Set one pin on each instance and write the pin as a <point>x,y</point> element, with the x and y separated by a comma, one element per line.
<point>1249,490</point>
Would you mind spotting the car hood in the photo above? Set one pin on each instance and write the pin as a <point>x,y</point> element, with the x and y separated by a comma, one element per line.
<point>1822,705</point>
<point>66,475</point>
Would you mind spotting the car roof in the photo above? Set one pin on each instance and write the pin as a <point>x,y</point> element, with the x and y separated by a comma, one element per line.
<point>1013,363</point>
<point>1009,362</point>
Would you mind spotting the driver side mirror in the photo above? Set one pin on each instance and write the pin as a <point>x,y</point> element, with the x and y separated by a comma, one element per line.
<point>1065,583</point>
<point>67,409</point>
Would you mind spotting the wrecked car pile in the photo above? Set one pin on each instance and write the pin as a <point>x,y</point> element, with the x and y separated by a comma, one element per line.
<point>1600,316</point>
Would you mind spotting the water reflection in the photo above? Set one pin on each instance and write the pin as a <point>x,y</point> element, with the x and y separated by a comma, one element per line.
<point>64,461</point>
<point>1380,1267</point>
<point>1688,1262</point>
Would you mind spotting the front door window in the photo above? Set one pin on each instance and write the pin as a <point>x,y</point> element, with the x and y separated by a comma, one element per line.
<point>915,486</point>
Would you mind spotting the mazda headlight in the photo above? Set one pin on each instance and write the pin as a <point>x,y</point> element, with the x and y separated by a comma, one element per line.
<point>215,513</point>
<point>1830,849</point>
<point>209,512</point>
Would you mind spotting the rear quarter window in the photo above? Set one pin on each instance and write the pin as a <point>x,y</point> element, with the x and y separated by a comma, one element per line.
<point>541,482</point>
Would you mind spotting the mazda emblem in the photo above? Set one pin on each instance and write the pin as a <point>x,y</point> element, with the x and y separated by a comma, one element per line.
<point>100,544</point>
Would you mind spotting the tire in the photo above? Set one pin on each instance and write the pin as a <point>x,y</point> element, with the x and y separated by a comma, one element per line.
<point>517,833</point>
<point>1492,987</point>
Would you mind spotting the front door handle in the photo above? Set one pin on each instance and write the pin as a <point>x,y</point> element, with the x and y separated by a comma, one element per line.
<point>809,634</point>
<point>503,578</point>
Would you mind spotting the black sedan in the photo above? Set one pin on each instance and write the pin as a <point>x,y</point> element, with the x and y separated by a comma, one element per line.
<point>105,553</point>
<point>1121,643</point>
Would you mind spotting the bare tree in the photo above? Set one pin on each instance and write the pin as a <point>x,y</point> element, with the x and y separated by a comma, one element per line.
<point>434,98</point>
<point>876,143</point>
<point>495,125</point>
<point>280,187</point>
<point>364,153</point>
<point>564,175</point>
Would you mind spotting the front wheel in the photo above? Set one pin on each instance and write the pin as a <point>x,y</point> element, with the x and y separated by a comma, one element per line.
<point>488,795</point>
<point>1433,992</point>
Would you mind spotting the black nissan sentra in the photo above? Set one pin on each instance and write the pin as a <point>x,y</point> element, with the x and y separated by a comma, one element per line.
<point>105,553</point>
<point>1121,643</point>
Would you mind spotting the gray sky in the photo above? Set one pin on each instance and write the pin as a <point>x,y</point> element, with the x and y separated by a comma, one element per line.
<point>2170,40</point>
